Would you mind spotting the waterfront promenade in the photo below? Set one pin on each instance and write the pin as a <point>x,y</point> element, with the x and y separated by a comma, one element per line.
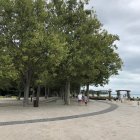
<point>100,120</point>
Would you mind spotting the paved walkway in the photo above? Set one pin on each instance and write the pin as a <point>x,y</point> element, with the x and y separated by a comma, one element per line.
<point>80,122</point>
<point>109,109</point>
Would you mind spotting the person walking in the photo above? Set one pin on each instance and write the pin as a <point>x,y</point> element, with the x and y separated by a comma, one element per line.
<point>85,99</point>
<point>79,98</point>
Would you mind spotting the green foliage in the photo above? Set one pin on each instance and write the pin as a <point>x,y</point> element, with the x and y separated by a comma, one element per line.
<point>32,47</point>
<point>8,72</point>
<point>91,54</point>
<point>54,41</point>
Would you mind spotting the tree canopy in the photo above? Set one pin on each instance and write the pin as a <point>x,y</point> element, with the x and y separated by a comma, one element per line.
<point>55,43</point>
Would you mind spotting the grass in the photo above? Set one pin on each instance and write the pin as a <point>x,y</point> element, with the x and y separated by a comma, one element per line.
<point>13,97</point>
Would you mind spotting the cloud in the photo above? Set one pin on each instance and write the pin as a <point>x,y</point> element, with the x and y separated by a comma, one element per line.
<point>113,10</point>
<point>121,17</point>
<point>133,28</point>
<point>125,81</point>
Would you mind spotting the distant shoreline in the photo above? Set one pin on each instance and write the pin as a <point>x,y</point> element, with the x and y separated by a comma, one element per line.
<point>131,95</point>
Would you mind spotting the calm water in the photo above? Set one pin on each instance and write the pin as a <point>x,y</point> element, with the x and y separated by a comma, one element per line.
<point>131,95</point>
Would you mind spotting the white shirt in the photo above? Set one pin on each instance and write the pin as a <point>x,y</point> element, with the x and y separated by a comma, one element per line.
<point>79,96</point>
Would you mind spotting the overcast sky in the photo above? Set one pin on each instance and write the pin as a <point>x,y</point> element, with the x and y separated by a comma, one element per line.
<point>122,17</point>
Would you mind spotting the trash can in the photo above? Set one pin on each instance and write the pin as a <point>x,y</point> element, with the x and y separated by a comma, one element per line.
<point>35,103</point>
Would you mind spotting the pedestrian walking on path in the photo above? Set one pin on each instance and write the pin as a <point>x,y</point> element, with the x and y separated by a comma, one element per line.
<point>79,98</point>
<point>85,99</point>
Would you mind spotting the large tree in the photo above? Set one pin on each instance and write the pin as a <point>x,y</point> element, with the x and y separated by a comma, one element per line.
<point>91,55</point>
<point>31,45</point>
<point>59,39</point>
<point>68,16</point>
<point>8,72</point>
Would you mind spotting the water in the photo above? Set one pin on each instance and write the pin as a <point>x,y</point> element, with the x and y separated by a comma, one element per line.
<point>131,95</point>
<point>135,95</point>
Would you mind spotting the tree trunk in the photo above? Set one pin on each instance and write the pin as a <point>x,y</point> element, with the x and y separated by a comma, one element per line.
<point>26,94</point>
<point>79,89</point>
<point>64,97</point>
<point>62,93</point>
<point>37,95</point>
<point>33,93</point>
<point>46,92</point>
<point>20,88</point>
<point>26,88</point>
<point>67,93</point>
<point>19,95</point>
<point>87,90</point>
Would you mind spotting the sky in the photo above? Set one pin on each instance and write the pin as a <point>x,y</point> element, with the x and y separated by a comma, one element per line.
<point>122,17</point>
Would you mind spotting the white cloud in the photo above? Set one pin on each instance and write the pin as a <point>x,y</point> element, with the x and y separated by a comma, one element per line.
<point>135,5</point>
<point>121,17</point>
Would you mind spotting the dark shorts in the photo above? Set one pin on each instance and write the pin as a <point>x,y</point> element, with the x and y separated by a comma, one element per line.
<point>79,101</point>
